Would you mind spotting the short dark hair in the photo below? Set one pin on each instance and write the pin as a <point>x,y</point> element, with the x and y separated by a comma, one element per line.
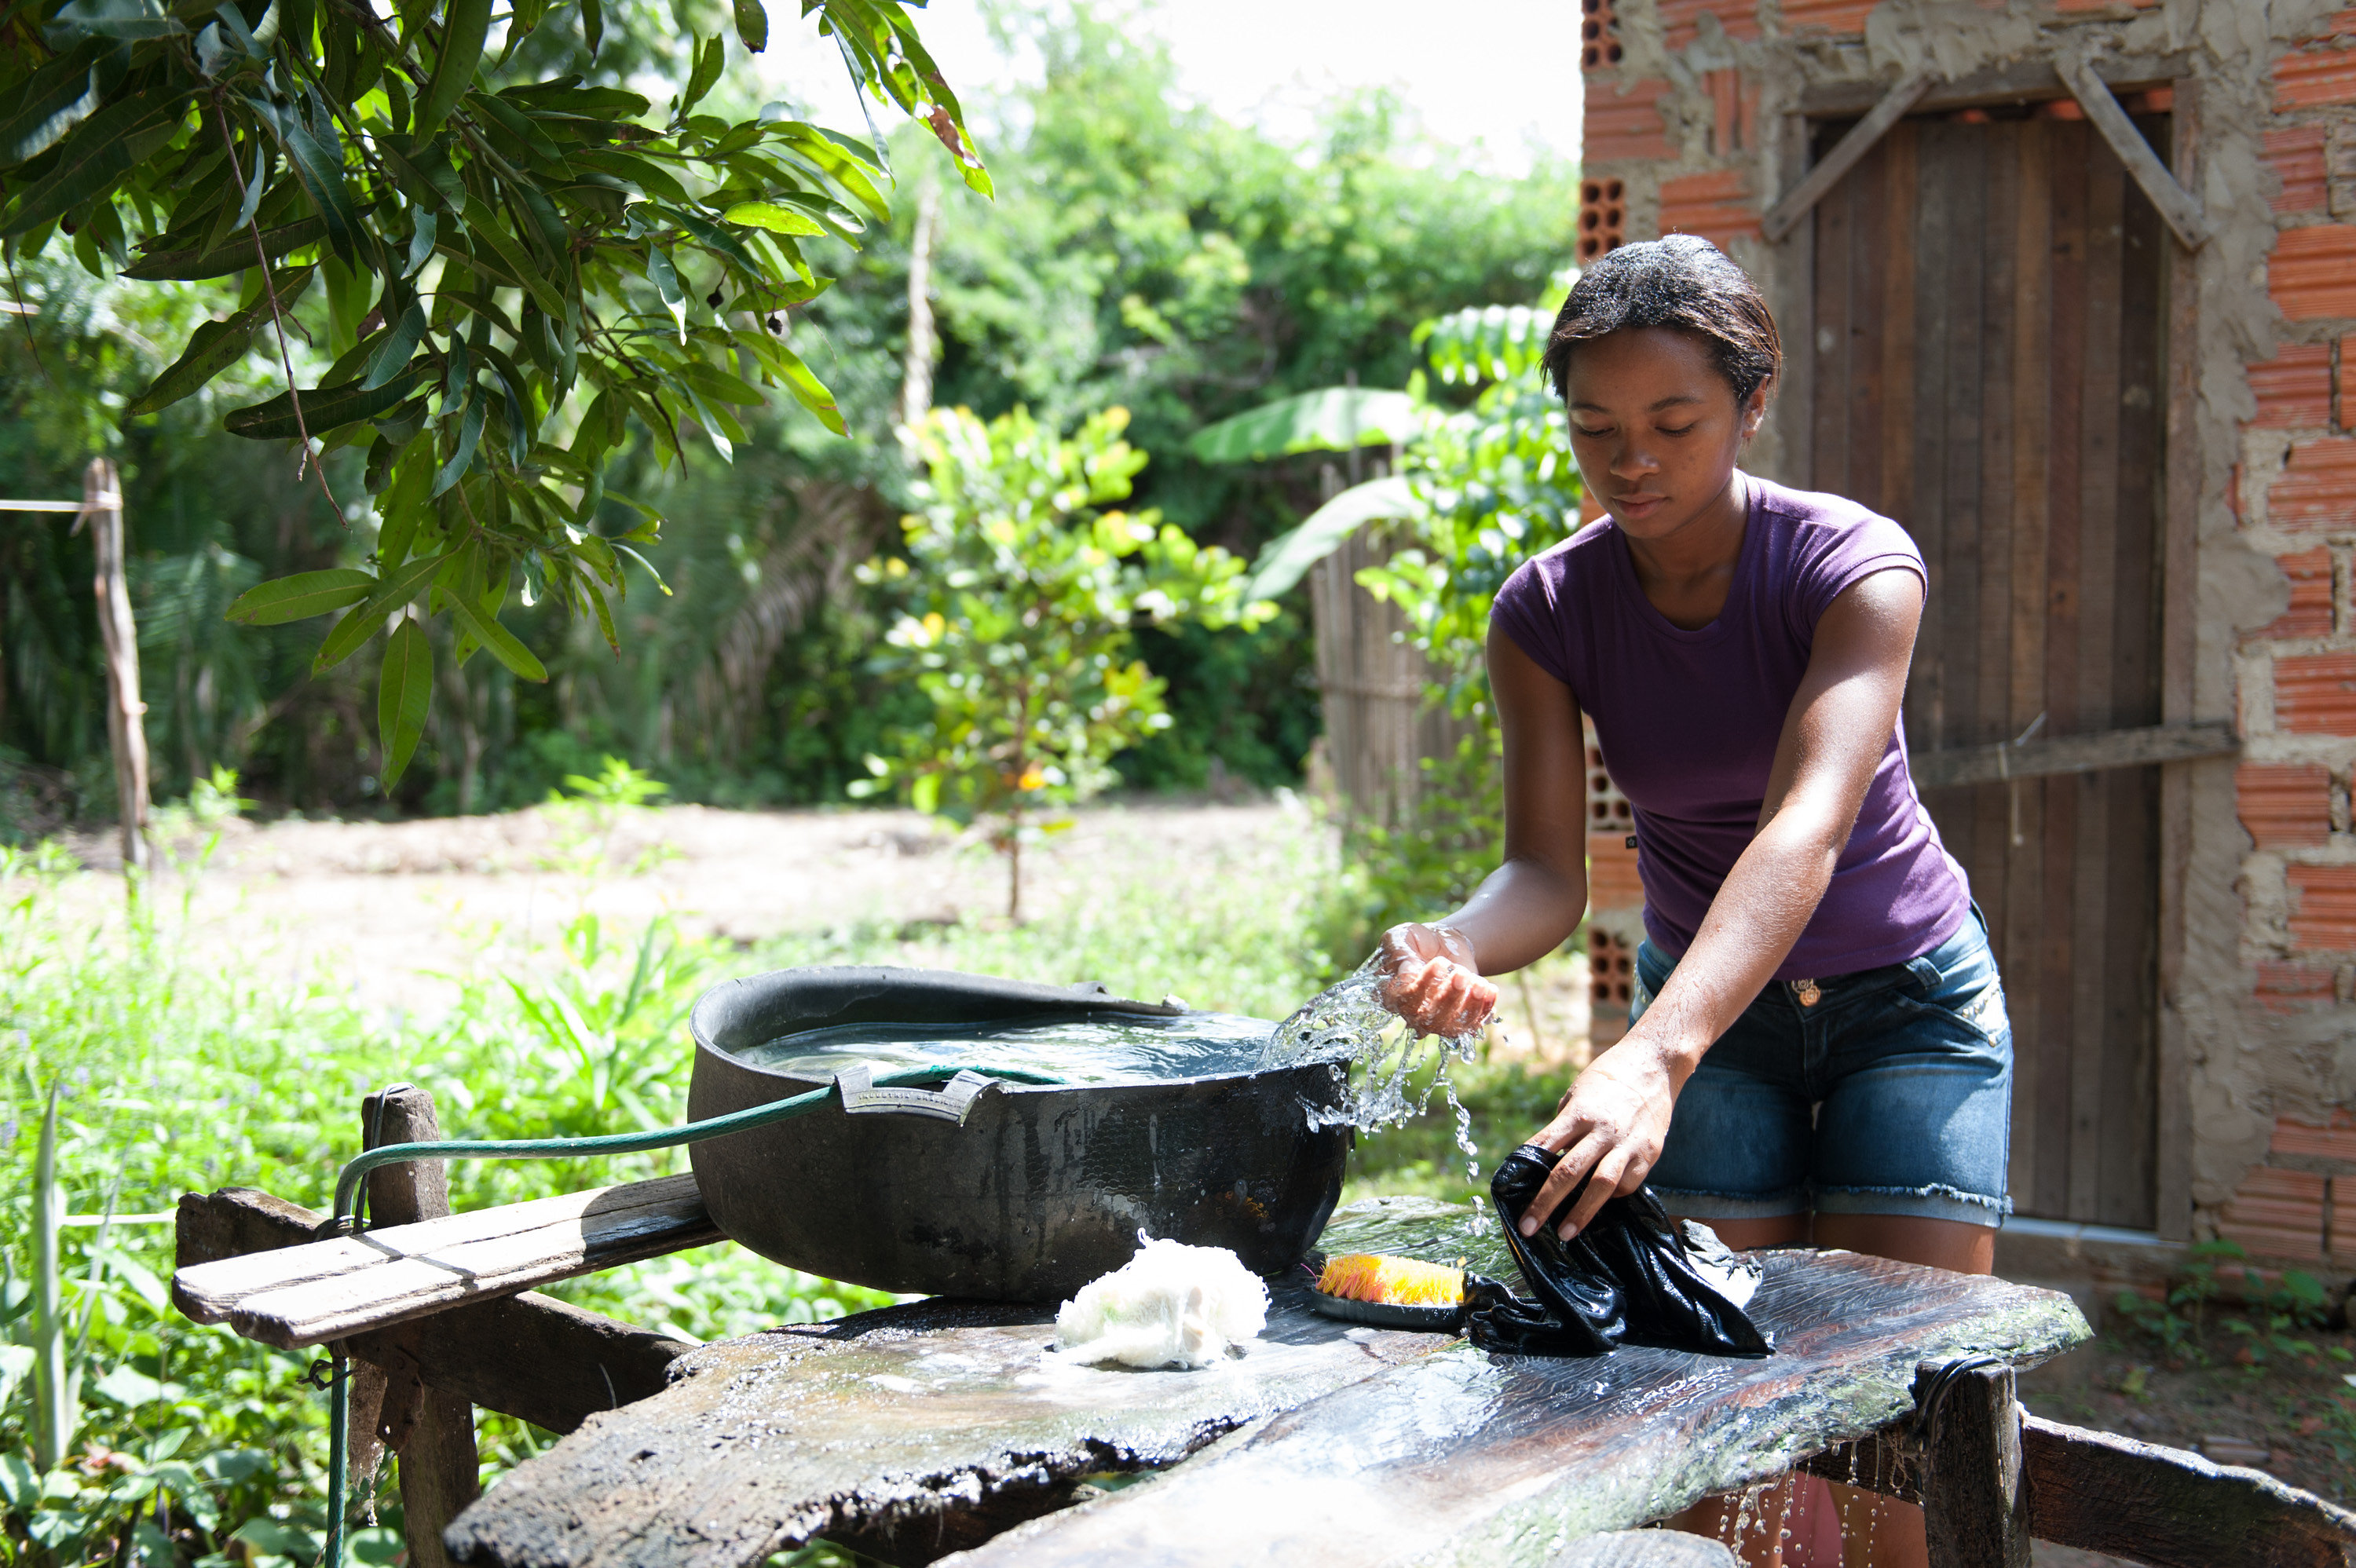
<point>1683,282</point>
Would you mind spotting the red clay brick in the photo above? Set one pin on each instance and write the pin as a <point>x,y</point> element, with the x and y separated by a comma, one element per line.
<point>2309,612</point>
<point>1627,124</point>
<point>2317,487</point>
<point>2334,1140</point>
<point>2316,75</point>
<point>2288,988</point>
<point>1710,204</point>
<point>2323,908</point>
<point>2296,157</point>
<point>2315,694</point>
<point>1599,36</point>
<point>1826,15</point>
<point>2293,389</point>
<point>2276,1215</point>
<point>1612,881</point>
<point>2313,271</point>
<point>1682,18</point>
<point>2284,808</point>
<point>2343,406</point>
<point>2097,5</point>
<point>2341,1243</point>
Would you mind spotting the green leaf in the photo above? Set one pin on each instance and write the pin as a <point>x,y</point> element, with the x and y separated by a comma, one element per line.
<point>234,256</point>
<point>470,432</point>
<point>405,696</point>
<point>97,152</point>
<point>50,102</point>
<point>808,391</point>
<point>718,385</point>
<point>774,218</point>
<point>393,355</point>
<point>487,630</point>
<point>593,25</point>
<point>1287,558</point>
<point>119,19</point>
<point>1323,420</point>
<point>322,174</point>
<point>324,409</point>
<point>753,24</point>
<point>701,77</point>
<point>648,177</point>
<point>467,24</point>
<point>484,224</point>
<point>300,597</point>
<point>212,348</point>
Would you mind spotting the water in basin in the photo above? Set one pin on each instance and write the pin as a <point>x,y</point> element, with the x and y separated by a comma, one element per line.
<point>1106,1049</point>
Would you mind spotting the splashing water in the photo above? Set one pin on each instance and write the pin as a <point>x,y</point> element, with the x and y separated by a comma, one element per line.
<point>1348,1026</point>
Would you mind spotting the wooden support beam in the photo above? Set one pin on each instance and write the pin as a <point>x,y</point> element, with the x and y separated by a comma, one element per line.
<point>2072,754</point>
<point>1974,1507</point>
<point>1785,215</point>
<point>2180,206</point>
<point>347,1284</point>
<point>432,1429</point>
<point>2016,82</point>
<point>526,1356</point>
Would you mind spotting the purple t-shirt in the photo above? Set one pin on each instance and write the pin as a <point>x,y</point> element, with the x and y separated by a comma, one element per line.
<point>1689,723</point>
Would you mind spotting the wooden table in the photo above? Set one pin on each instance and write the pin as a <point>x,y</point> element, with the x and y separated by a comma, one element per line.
<point>919,1431</point>
<point>943,1428</point>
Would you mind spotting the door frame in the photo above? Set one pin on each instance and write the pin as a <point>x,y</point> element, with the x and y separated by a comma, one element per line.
<point>1793,297</point>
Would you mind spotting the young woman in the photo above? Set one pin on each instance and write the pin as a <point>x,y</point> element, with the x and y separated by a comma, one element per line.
<point>1818,1048</point>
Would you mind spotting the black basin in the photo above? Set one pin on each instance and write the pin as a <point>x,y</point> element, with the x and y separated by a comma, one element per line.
<point>1039,1190</point>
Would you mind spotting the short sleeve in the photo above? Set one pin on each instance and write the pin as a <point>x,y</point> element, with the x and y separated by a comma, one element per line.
<point>1529,610</point>
<point>1838,555</point>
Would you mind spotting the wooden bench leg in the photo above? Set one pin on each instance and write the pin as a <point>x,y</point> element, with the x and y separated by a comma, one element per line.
<point>431,1431</point>
<point>1975,1502</point>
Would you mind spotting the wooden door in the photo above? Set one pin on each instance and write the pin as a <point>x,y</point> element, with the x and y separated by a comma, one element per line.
<point>1988,355</point>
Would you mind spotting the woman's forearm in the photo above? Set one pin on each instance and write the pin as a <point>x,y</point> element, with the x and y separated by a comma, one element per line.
<point>1521,912</point>
<point>1760,910</point>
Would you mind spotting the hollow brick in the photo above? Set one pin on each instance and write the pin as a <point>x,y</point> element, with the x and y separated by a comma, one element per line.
<point>2293,387</point>
<point>1623,124</point>
<point>2335,1139</point>
<point>2296,157</point>
<point>1826,15</point>
<point>1711,205</point>
<point>2284,808</point>
<point>2317,489</point>
<point>2323,908</point>
<point>2276,1215</point>
<point>2315,694</point>
<point>2319,73</point>
<point>2288,988</point>
<point>2308,614</point>
<point>2313,270</point>
<point>1611,879</point>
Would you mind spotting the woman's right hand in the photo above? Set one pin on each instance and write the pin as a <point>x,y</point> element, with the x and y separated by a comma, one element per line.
<point>1431,979</point>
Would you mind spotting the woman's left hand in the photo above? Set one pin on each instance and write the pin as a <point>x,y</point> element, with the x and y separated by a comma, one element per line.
<point>1613,1122</point>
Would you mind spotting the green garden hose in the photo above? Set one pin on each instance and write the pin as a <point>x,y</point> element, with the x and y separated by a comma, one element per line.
<point>347,1191</point>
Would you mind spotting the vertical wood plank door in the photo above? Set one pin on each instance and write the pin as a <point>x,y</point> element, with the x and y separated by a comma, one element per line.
<point>1988,355</point>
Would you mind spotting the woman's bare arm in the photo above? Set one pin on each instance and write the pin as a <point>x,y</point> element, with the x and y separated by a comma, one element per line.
<point>1532,902</point>
<point>1615,1117</point>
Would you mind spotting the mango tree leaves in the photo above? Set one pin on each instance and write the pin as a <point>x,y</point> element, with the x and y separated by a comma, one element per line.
<point>492,261</point>
<point>405,696</point>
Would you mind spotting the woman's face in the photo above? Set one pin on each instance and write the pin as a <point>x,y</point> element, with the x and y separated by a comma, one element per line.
<point>1656,428</point>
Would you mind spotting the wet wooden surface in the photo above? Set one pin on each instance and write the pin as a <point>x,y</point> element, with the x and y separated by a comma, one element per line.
<point>922,1429</point>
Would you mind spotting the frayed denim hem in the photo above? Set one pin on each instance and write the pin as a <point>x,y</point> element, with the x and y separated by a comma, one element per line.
<point>1730,1206</point>
<point>1935,1200</point>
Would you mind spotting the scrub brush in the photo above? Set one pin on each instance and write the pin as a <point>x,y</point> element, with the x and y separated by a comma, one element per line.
<point>1396,1282</point>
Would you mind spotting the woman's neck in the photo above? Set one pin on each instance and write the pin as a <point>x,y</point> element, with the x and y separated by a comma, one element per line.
<point>1686,574</point>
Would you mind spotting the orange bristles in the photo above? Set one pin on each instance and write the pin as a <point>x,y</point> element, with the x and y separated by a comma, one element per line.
<point>1400,1282</point>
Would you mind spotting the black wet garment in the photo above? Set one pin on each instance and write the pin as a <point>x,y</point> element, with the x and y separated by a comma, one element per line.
<point>1630,1277</point>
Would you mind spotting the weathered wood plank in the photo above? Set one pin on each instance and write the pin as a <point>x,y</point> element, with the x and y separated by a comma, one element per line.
<point>526,1356</point>
<point>2008,84</point>
<point>1462,1459</point>
<point>1902,95</point>
<point>348,1285</point>
<point>2182,209</point>
<point>2172,1508</point>
<point>1974,1507</point>
<point>2075,755</point>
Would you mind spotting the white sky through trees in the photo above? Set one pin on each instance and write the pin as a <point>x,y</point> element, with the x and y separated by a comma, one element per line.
<point>1500,73</point>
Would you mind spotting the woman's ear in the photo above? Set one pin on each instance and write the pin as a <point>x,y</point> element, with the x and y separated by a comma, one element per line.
<point>1754,410</point>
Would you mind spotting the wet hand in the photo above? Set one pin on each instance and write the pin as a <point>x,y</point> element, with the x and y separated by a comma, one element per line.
<point>1612,1123</point>
<point>1429,979</point>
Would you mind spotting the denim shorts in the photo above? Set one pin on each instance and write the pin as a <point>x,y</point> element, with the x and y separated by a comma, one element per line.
<point>1885,1091</point>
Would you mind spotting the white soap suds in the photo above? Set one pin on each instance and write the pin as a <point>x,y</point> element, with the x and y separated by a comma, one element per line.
<point>1170,1305</point>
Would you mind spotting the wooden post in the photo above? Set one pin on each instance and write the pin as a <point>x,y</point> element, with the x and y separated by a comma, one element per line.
<point>1974,1505</point>
<point>126,733</point>
<point>431,1431</point>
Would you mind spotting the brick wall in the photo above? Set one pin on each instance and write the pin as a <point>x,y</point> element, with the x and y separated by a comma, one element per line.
<point>2299,1207</point>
